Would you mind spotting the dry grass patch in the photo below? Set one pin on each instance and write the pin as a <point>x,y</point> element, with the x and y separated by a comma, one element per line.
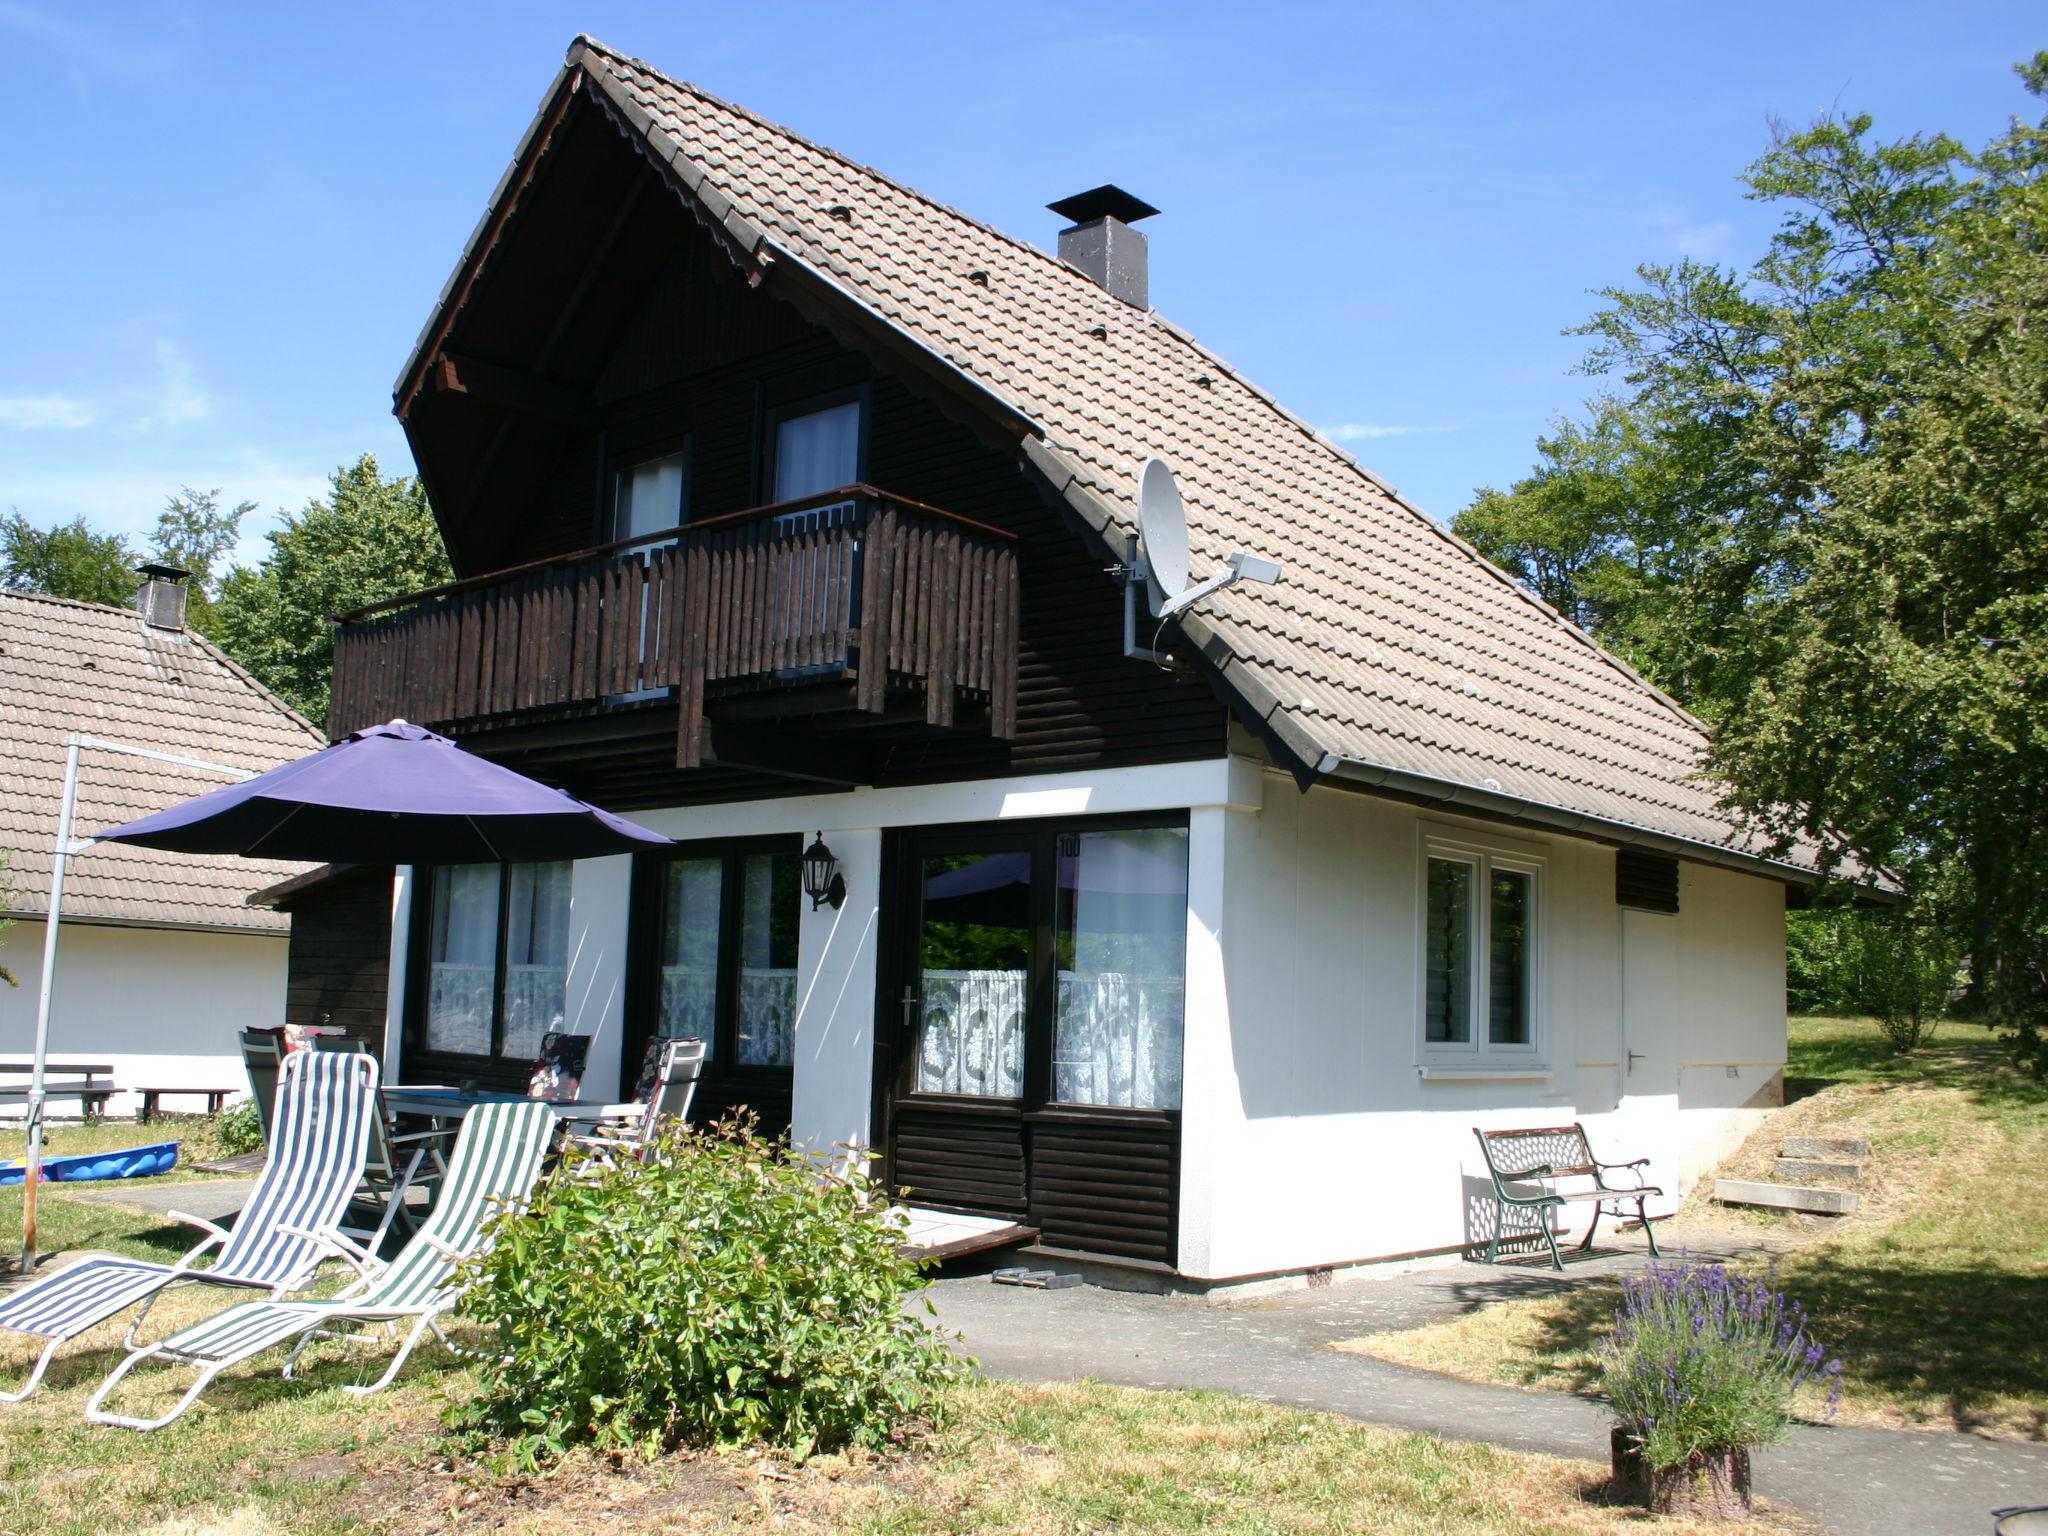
<point>267,1457</point>
<point>1930,1293</point>
<point>1039,1460</point>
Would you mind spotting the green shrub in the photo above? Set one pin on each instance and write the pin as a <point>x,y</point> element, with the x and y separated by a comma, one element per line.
<point>1704,1358</point>
<point>238,1129</point>
<point>1818,976</point>
<point>728,1291</point>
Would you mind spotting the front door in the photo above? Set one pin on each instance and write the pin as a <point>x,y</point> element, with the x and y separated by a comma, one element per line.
<point>1030,1062</point>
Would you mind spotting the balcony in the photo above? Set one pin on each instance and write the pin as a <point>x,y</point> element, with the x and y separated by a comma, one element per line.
<point>853,602</point>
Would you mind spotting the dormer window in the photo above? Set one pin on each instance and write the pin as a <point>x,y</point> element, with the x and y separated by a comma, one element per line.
<point>817,449</point>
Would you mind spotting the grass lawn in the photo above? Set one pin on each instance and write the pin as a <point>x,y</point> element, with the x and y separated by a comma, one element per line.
<point>1932,1294</point>
<point>264,1456</point>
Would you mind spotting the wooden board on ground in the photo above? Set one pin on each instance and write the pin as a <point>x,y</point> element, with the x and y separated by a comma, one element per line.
<point>948,1235</point>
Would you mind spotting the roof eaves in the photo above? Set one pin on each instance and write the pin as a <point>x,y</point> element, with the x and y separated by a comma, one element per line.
<point>473,247</point>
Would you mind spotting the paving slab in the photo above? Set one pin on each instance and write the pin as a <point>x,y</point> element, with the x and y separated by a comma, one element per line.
<point>1858,1482</point>
<point>209,1199</point>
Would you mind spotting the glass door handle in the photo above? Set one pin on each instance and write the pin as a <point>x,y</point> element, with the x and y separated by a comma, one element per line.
<point>909,1010</point>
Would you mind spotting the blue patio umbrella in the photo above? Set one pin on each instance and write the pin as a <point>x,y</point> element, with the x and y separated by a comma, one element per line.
<point>389,794</point>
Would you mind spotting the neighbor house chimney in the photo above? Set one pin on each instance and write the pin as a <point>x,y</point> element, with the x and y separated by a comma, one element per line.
<point>1102,242</point>
<point>162,598</point>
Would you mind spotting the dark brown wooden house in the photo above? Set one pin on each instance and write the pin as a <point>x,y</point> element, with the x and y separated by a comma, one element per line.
<point>791,508</point>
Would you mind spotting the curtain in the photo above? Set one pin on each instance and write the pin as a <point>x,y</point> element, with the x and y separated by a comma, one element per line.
<point>770,888</point>
<point>462,970</point>
<point>973,1035</point>
<point>818,452</point>
<point>1122,947</point>
<point>689,950</point>
<point>651,496</point>
<point>536,955</point>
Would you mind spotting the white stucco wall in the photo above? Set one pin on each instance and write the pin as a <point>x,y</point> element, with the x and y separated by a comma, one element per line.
<point>161,1006</point>
<point>1312,1140</point>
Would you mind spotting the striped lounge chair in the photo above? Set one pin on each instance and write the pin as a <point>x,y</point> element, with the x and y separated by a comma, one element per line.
<point>325,1106</point>
<point>496,1159</point>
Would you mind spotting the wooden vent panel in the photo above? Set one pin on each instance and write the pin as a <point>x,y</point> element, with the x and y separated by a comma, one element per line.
<point>1645,881</point>
<point>1106,1188</point>
<point>962,1159</point>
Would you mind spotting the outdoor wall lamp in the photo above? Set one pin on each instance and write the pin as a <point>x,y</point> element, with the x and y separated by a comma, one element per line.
<point>822,881</point>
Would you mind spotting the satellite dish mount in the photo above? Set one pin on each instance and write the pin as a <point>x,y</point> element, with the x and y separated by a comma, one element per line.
<point>1156,557</point>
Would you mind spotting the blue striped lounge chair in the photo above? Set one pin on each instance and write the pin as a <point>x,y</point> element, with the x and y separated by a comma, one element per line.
<point>496,1159</point>
<point>321,1126</point>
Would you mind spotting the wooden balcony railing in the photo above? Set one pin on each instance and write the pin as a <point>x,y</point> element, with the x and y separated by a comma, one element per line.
<point>854,585</point>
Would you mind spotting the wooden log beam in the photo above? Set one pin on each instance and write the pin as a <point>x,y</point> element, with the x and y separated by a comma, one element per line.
<point>528,394</point>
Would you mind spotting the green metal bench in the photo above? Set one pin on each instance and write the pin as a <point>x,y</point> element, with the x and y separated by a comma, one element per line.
<point>1530,1170</point>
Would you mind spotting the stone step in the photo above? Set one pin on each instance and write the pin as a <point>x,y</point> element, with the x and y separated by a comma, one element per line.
<point>1839,1148</point>
<point>1797,1168</point>
<point>1786,1197</point>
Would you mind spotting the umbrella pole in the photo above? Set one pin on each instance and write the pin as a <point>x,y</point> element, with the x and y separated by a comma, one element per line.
<point>32,1160</point>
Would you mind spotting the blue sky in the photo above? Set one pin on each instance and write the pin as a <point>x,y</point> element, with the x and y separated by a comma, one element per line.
<point>224,224</point>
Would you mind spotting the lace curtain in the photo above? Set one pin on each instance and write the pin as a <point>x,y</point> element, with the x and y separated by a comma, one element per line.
<point>973,1035</point>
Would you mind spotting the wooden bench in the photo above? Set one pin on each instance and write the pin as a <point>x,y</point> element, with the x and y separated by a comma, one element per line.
<point>92,1096</point>
<point>1545,1170</point>
<point>146,1111</point>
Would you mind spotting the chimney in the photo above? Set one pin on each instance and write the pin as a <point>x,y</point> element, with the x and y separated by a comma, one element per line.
<point>1102,243</point>
<point>162,598</point>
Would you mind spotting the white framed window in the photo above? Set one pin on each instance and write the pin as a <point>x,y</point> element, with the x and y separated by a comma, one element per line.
<point>1481,931</point>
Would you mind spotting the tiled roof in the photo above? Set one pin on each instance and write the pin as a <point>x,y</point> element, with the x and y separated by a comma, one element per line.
<point>1391,649</point>
<point>101,671</point>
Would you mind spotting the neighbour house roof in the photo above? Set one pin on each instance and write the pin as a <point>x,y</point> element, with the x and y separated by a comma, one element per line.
<point>1392,653</point>
<point>81,667</point>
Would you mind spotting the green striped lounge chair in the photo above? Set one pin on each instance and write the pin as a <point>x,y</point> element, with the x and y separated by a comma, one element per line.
<point>494,1164</point>
<point>321,1124</point>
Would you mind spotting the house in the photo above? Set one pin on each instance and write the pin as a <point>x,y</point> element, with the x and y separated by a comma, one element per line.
<point>160,961</point>
<point>788,508</point>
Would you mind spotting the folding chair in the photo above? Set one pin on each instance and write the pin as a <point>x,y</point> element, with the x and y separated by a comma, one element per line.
<point>666,1089</point>
<point>496,1160</point>
<point>322,1119</point>
<point>263,1056</point>
<point>395,1164</point>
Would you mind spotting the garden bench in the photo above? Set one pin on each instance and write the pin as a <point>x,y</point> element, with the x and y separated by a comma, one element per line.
<point>1545,1170</point>
<point>146,1111</point>
<point>92,1096</point>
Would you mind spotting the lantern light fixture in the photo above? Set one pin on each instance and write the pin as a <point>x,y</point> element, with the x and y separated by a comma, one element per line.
<point>822,881</point>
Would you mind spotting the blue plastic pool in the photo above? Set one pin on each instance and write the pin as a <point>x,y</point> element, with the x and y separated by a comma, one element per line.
<point>80,1167</point>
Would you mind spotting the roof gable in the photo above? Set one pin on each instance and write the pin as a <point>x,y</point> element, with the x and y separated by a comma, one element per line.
<point>81,667</point>
<point>1391,652</point>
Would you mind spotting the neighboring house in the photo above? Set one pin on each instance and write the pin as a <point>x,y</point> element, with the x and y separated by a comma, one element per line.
<point>159,961</point>
<point>787,504</point>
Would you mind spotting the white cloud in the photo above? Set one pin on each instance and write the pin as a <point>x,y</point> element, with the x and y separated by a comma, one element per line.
<point>1702,242</point>
<point>42,413</point>
<point>1363,431</point>
<point>178,399</point>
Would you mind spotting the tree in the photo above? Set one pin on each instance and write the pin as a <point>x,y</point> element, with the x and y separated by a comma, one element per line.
<point>66,560</point>
<point>194,533</point>
<point>370,539</point>
<point>1827,474</point>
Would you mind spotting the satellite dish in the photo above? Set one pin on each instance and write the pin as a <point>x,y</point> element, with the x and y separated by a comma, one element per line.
<point>1163,526</point>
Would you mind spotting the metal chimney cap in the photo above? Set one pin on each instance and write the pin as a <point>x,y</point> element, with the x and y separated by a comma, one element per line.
<point>1106,201</point>
<point>157,572</point>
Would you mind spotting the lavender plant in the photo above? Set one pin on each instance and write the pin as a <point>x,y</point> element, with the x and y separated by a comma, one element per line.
<point>1704,1358</point>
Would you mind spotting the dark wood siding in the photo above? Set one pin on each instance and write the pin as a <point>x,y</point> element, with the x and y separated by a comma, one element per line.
<point>960,1157</point>
<point>1106,1183</point>
<point>339,959</point>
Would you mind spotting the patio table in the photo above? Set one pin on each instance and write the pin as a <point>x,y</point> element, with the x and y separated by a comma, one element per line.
<point>438,1101</point>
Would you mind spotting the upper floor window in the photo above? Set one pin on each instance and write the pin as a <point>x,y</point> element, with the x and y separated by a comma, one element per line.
<point>1480,913</point>
<point>651,495</point>
<point>816,450</point>
<point>497,958</point>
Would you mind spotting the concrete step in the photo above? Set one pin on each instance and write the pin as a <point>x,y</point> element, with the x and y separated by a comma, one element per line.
<point>1786,1197</point>
<point>1797,1168</point>
<point>1840,1148</point>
